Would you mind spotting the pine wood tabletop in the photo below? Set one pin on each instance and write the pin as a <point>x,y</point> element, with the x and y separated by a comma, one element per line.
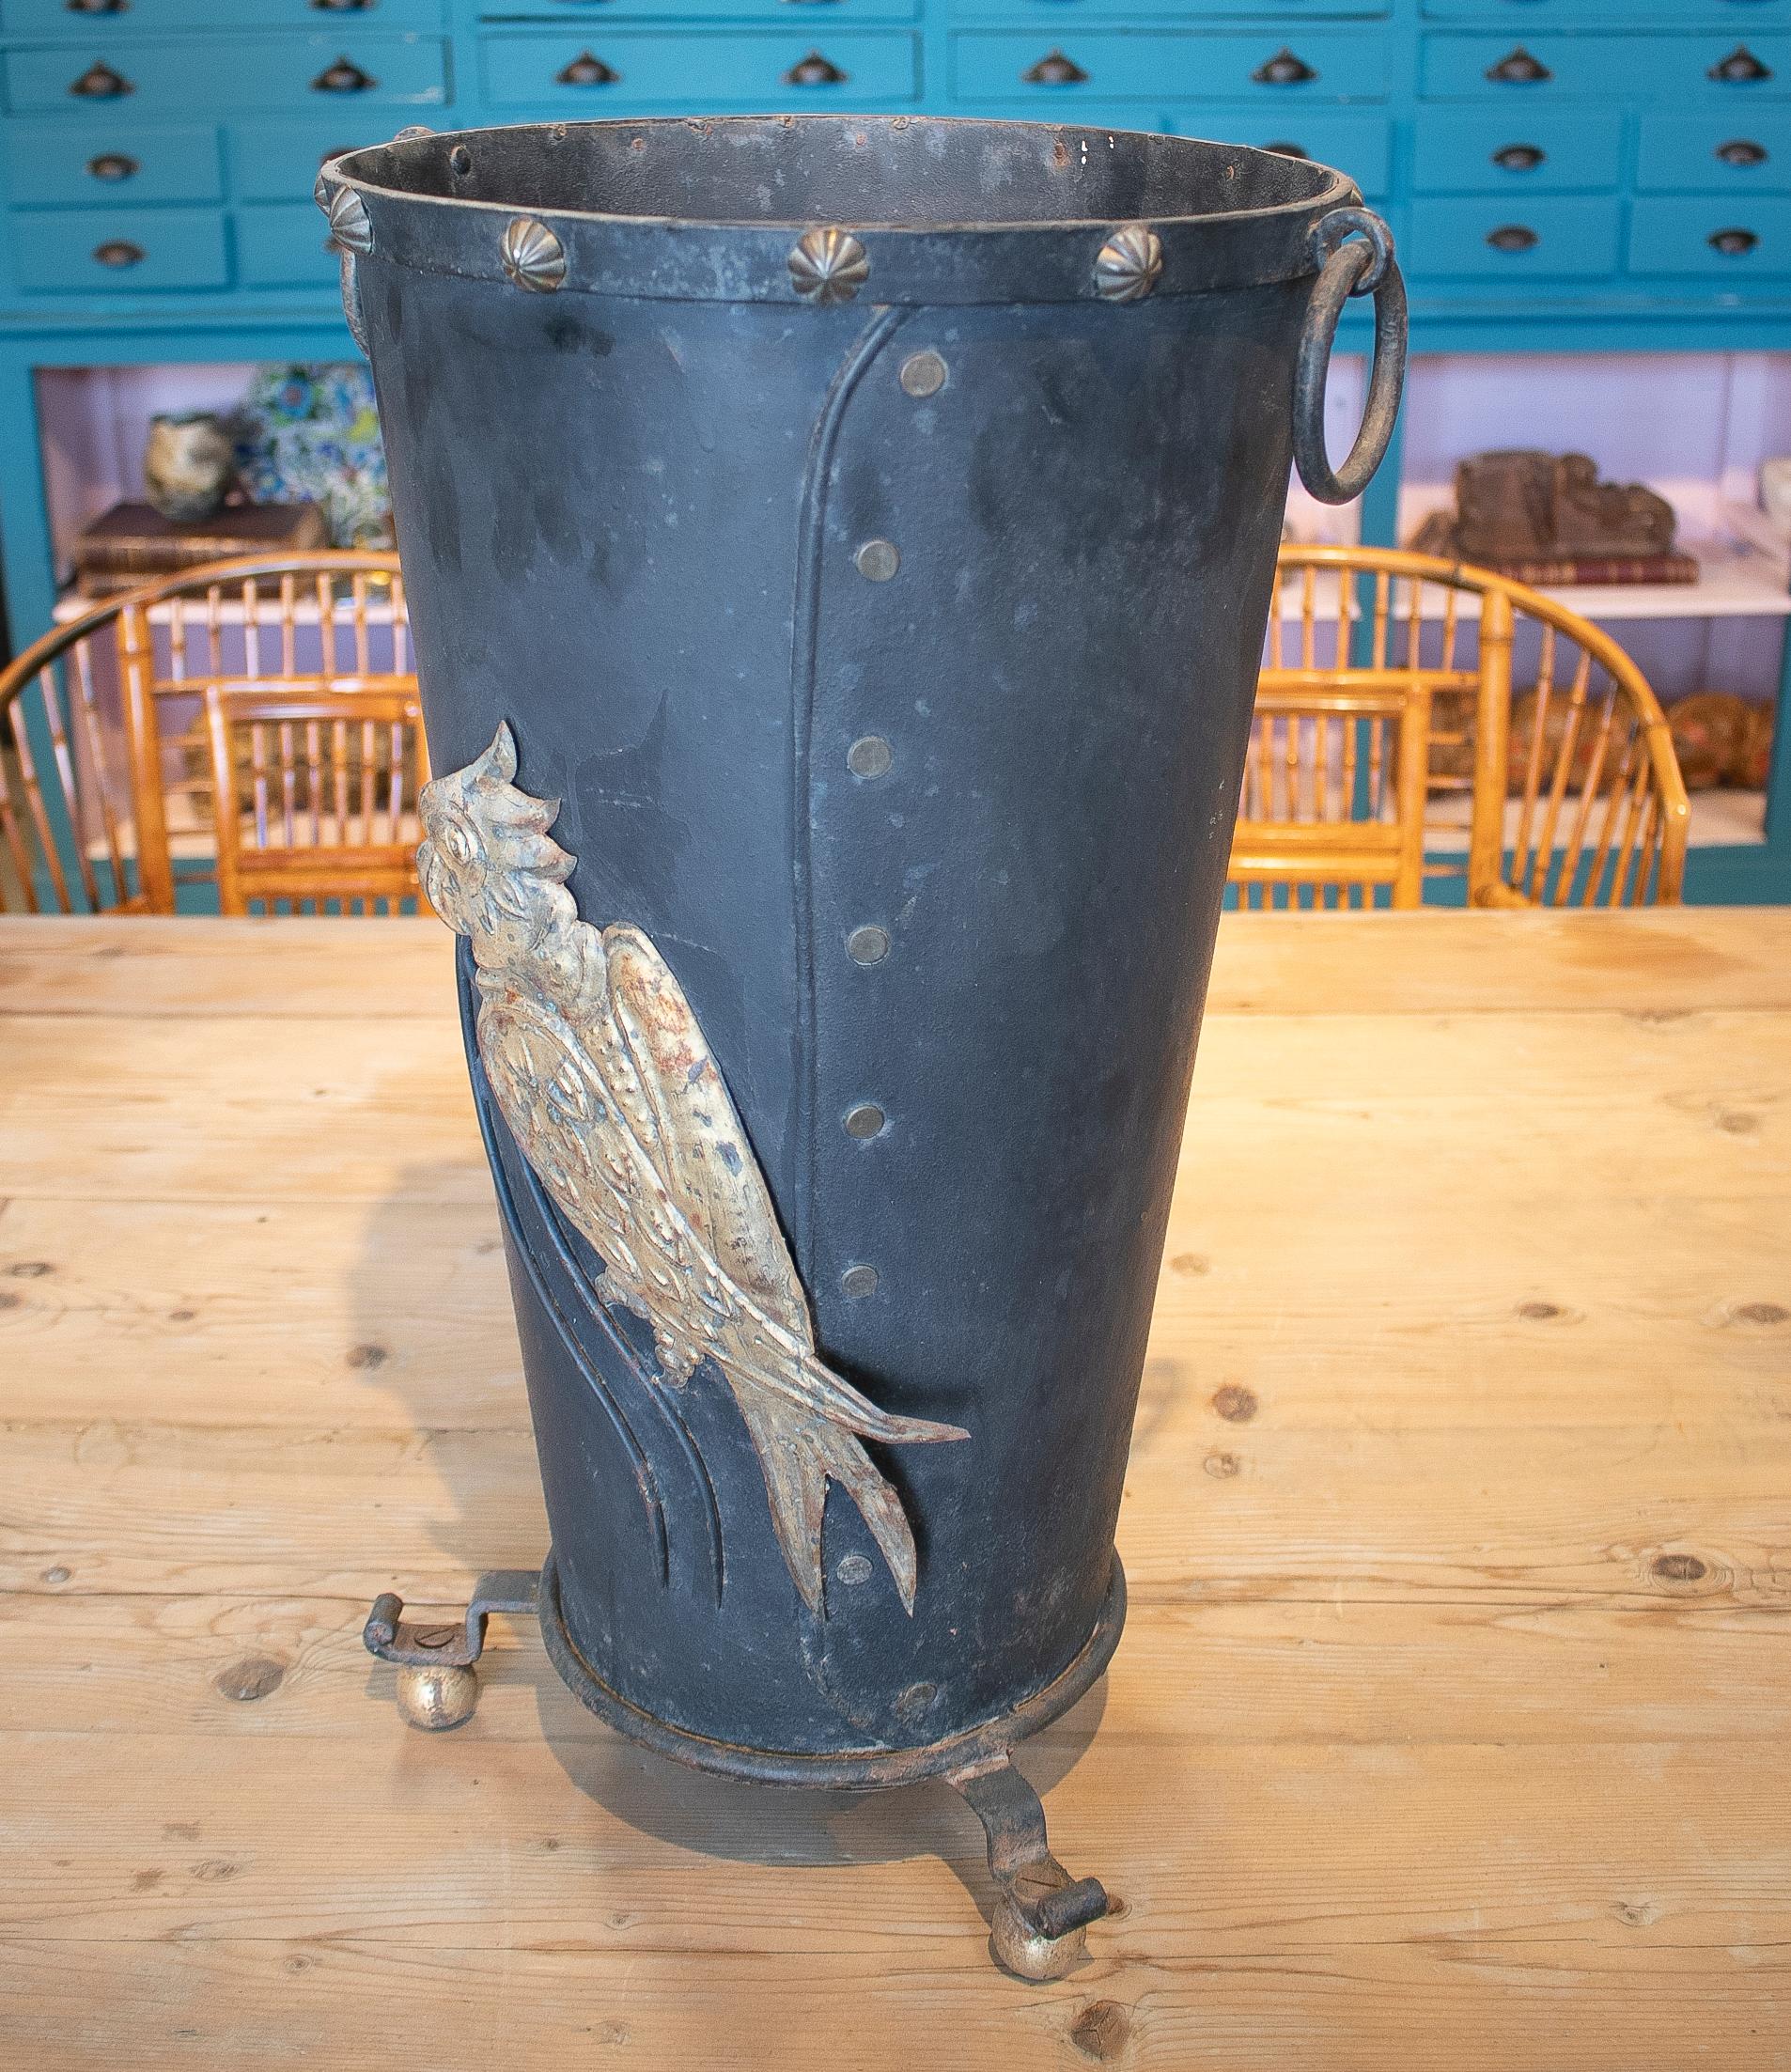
<point>1449,1727</point>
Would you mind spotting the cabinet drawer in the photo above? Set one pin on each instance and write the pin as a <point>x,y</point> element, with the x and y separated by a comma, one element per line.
<point>280,160</point>
<point>1710,235</point>
<point>587,18</point>
<point>1086,114</point>
<point>1168,66</point>
<point>1356,144</point>
<point>230,73</point>
<point>1711,154</point>
<point>47,18</point>
<point>1670,68</point>
<point>1527,151</point>
<point>1558,14</point>
<point>59,163</point>
<point>655,68</point>
<point>60,248</point>
<point>1569,240</point>
<point>1286,14</point>
<point>284,244</point>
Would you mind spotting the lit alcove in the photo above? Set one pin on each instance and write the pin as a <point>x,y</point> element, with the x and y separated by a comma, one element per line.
<point>1693,427</point>
<point>308,447</point>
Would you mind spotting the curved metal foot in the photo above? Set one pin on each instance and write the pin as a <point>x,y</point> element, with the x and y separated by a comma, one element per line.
<point>438,1686</point>
<point>1040,1927</point>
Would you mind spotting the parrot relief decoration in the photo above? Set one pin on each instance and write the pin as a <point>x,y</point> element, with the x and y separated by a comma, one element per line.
<point>600,1069</point>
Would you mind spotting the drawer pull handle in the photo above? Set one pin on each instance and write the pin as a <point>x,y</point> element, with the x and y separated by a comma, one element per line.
<point>1519,158</point>
<point>101,83</point>
<point>1732,244</point>
<point>815,71</point>
<point>1741,67</point>
<point>1053,69</point>
<point>97,6</point>
<point>343,7</point>
<point>1284,70</point>
<point>1741,151</point>
<point>587,69</point>
<point>113,165</point>
<point>344,77</point>
<point>807,3</point>
<point>1519,68</point>
<point>1288,151</point>
<point>119,253</point>
<point>1513,237</point>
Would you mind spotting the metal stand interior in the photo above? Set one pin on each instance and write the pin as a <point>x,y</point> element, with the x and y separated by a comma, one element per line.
<point>1039,1923</point>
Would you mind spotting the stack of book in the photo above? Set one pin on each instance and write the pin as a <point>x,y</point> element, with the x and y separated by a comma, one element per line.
<point>1438,536</point>
<point>134,543</point>
<point>1548,519</point>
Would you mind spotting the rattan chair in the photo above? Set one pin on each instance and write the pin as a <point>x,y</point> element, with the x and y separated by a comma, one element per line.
<point>312,799</point>
<point>106,768</point>
<point>1388,749</point>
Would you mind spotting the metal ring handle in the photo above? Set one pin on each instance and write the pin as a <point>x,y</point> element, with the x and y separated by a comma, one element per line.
<point>1354,264</point>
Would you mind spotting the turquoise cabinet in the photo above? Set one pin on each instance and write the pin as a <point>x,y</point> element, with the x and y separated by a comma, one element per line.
<point>1528,154</point>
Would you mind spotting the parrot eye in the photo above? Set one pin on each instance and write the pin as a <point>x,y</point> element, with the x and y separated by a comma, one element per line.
<point>460,841</point>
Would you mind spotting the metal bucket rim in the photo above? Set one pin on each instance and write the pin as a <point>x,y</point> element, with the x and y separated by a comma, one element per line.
<point>1333,191</point>
<point>720,259</point>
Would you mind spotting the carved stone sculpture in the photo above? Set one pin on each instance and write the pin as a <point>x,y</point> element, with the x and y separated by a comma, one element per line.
<point>1527,505</point>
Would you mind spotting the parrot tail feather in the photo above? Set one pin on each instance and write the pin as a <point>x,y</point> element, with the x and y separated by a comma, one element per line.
<point>799,1462</point>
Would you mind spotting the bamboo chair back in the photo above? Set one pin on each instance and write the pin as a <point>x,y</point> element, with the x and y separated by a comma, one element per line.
<point>105,769</point>
<point>315,799</point>
<point>1333,805</point>
<point>68,835</point>
<point>1331,814</point>
<point>1564,791</point>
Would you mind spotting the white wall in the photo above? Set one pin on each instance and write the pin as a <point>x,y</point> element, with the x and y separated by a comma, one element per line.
<point>96,424</point>
<point>1693,427</point>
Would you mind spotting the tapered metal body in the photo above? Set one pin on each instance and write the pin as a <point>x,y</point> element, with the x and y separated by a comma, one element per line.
<point>864,530</point>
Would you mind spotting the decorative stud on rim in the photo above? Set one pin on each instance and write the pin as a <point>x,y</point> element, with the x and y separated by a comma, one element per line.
<point>828,265</point>
<point>1127,265</point>
<point>349,222</point>
<point>534,257</point>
